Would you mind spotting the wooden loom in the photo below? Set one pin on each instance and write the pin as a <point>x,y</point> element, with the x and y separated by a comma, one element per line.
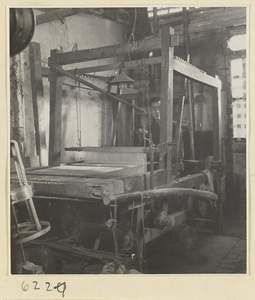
<point>118,177</point>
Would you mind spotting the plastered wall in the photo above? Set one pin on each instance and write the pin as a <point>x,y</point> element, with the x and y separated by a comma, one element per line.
<point>81,123</point>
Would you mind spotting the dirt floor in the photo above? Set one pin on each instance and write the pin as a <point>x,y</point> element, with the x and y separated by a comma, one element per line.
<point>194,252</point>
<point>197,252</point>
<point>188,250</point>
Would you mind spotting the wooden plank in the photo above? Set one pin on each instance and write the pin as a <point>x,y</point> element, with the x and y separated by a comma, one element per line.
<point>106,128</point>
<point>93,171</point>
<point>38,99</point>
<point>55,133</point>
<point>76,251</point>
<point>132,158</point>
<point>194,73</point>
<point>166,118</point>
<point>68,187</point>
<point>110,149</point>
<point>147,44</point>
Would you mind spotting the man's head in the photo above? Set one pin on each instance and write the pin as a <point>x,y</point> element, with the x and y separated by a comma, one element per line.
<point>155,110</point>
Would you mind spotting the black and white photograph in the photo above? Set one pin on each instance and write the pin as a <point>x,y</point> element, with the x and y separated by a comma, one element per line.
<point>128,134</point>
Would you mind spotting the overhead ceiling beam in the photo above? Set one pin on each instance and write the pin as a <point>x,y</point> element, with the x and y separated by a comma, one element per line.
<point>197,15</point>
<point>205,22</point>
<point>52,14</point>
<point>147,44</point>
<point>58,13</point>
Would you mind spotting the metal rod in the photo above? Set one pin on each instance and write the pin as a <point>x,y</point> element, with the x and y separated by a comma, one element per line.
<point>109,95</point>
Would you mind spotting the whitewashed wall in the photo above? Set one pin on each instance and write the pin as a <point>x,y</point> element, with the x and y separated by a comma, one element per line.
<point>87,32</point>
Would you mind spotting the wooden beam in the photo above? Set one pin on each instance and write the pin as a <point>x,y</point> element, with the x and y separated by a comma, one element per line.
<point>194,73</point>
<point>155,22</point>
<point>166,118</point>
<point>55,112</point>
<point>53,15</point>
<point>133,64</point>
<point>56,14</point>
<point>190,87</point>
<point>147,44</point>
<point>215,15</point>
<point>45,71</point>
<point>160,193</point>
<point>94,69</point>
<point>96,88</point>
<point>217,124</point>
<point>109,149</point>
<point>205,20</point>
<point>37,96</point>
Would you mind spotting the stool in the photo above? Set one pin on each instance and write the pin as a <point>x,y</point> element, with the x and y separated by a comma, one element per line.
<point>33,228</point>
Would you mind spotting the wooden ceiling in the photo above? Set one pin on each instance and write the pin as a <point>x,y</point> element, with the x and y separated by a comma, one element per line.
<point>203,22</point>
<point>119,15</point>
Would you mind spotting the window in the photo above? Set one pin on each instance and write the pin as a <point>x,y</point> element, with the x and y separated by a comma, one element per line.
<point>238,91</point>
<point>237,42</point>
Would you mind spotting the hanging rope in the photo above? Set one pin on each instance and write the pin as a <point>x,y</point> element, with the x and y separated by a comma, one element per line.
<point>78,114</point>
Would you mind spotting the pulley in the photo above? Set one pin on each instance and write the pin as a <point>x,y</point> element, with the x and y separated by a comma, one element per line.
<point>22,26</point>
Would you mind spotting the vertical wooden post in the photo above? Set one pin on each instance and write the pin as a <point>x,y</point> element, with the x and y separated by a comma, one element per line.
<point>55,112</point>
<point>107,123</point>
<point>189,84</point>
<point>140,234</point>
<point>217,126</point>
<point>166,118</point>
<point>37,96</point>
<point>155,21</point>
<point>191,121</point>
